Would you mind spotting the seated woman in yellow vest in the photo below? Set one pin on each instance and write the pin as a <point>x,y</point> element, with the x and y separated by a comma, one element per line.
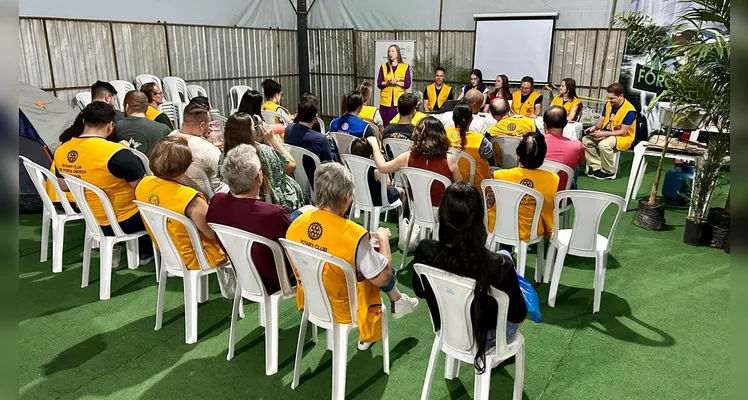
<point>328,230</point>
<point>527,101</point>
<point>394,78</point>
<point>567,98</point>
<point>615,131</point>
<point>472,143</point>
<point>530,156</point>
<point>368,112</point>
<point>438,92</point>
<point>273,95</point>
<point>170,158</point>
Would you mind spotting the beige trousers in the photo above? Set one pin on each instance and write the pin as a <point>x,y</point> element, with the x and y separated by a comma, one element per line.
<point>600,153</point>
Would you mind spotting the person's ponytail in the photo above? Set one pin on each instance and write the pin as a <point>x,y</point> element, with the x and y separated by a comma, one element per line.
<point>344,104</point>
<point>462,115</point>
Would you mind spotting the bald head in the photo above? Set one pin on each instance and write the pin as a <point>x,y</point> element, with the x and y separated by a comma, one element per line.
<point>475,99</point>
<point>499,108</point>
<point>136,102</point>
<point>554,120</point>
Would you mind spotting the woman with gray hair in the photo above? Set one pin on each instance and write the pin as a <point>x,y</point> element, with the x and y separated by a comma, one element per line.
<point>328,230</point>
<point>244,209</point>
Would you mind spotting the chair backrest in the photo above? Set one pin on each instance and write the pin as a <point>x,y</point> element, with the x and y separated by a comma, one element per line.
<point>322,128</point>
<point>589,208</point>
<point>175,90</point>
<point>38,175</point>
<point>171,111</point>
<point>156,218</point>
<point>360,167</point>
<point>461,155</point>
<point>79,187</point>
<point>82,99</point>
<point>142,79</point>
<point>143,159</point>
<point>196,90</point>
<point>394,146</point>
<point>238,245</point>
<point>300,175</point>
<point>375,130</point>
<point>342,142</point>
<point>419,194</point>
<point>508,150</point>
<point>235,96</point>
<point>207,183</point>
<point>270,117</point>
<point>454,295</point>
<point>309,264</point>
<point>215,114</point>
<point>509,197</point>
<point>556,167</point>
<point>122,87</point>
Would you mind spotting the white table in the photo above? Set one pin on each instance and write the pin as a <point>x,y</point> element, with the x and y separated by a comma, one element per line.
<point>573,130</point>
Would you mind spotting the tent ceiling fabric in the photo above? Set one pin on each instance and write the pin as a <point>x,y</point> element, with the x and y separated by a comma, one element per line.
<point>363,15</point>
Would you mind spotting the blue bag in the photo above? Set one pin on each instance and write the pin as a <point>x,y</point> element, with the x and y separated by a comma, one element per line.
<point>531,298</point>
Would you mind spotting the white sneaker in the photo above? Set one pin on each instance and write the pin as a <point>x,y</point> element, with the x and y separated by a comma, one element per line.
<point>363,346</point>
<point>404,306</point>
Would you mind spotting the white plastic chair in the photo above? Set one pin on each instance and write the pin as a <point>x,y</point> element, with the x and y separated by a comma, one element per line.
<point>122,87</point>
<point>509,198</point>
<point>508,149</point>
<point>175,90</point>
<point>271,116</point>
<point>393,147</point>
<point>50,215</point>
<point>142,79</point>
<point>195,91</point>
<point>171,111</point>
<point>322,128</point>
<point>461,155</point>
<point>343,142</point>
<point>143,159</point>
<point>454,295</point>
<point>300,174</point>
<point>238,245</point>
<point>82,99</point>
<point>363,199</point>
<point>195,281</point>
<point>235,96</point>
<point>375,130</point>
<point>582,239</point>
<point>422,212</point>
<point>309,264</point>
<point>207,184</point>
<point>106,243</point>
<point>556,167</point>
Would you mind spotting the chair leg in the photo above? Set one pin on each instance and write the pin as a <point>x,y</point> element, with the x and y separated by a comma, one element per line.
<point>519,372</point>
<point>599,279</point>
<point>46,222</point>
<point>482,385</point>
<point>133,254</point>
<point>203,289</point>
<point>433,359</point>
<point>314,334</point>
<point>556,276</point>
<point>385,342</point>
<point>521,257</point>
<point>232,328</point>
<point>190,306</point>
<point>374,219</point>
<point>539,261</point>
<point>156,261</point>
<point>58,240</point>
<point>160,298</point>
<point>105,269</point>
<point>451,368</point>
<point>271,309</point>
<point>87,244</point>
<point>407,242</point>
<point>549,263</point>
<point>299,350</point>
<point>339,361</point>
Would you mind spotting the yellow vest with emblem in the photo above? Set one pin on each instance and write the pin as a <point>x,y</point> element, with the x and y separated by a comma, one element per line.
<point>622,142</point>
<point>569,105</point>
<point>175,197</point>
<point>473,141</point>
<point>419,116</point>
<point>388,96</point>
<point>433,99</point>
<point>335,235</point>
<point>274,107</point>
<point>516,125</point>
<point>528,107</point>
<point>87,158</point>
<point>367,113</point>
<point>544,182</point>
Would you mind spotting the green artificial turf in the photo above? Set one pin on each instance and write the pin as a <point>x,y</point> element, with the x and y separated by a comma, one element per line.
<point>661,332</point>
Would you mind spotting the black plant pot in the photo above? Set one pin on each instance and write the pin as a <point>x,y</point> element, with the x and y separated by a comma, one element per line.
<point>696,234</point>
<point>650,217</point>
<point>719,227</point>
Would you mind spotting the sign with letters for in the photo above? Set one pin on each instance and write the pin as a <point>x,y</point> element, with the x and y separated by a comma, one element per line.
<point>649,79</point>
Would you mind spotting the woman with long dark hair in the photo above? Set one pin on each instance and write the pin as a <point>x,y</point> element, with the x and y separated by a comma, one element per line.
<point>251,103</point>
<point>350,120</point>
<point>473,143</point>
<point>461,251</point>
<point>567,98</point>
<point>394,79</point>
<point>500,89</point>
<point>476,82</point>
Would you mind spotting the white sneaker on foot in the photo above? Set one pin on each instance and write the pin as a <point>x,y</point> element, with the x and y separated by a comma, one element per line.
<point>404,306</point>
<point>363,346</point>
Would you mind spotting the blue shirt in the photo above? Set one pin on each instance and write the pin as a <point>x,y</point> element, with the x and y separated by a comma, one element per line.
<point>352,125</point>
<point>306,138</point>
<point>629,119</point>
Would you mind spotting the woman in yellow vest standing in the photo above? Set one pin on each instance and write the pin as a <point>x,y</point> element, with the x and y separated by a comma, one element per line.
<point>472,143</point>
<point>567,98</point>
<point>368,112</point>
<point>394,79</point>
<point>526,101</point>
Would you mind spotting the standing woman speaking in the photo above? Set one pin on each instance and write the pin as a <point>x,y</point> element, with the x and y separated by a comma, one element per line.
<point>393,79</point>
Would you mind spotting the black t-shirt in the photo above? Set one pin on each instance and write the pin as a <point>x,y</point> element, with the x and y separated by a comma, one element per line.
<point>539,100</point>
<point>435,105</point>
<point>398,131</point>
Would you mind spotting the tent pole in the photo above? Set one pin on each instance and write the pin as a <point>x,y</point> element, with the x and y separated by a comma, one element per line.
<point>607,46</point>
<point>302,42</point>
<point>439,38</point>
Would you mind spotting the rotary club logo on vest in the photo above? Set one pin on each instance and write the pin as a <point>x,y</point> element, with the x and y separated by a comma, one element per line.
<point>314,231</point>
<point>153,199</point>
<point>72,156</point>
<point>511,127</point>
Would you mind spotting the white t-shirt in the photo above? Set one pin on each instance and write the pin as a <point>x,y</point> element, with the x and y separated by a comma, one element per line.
<point>369,262</point>
<point>205,156</point>
<point>476,125</point>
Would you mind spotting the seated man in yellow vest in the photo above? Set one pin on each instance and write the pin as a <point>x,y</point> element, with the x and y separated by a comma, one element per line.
<point>507,124</point>
<point>418,115</point>
<point>615,131</point>
<point>437,93</point>
<point>327,229</point>
<point>273,95</point>
<point>527,101</point>
<point>109,166</point>
<point>155,98</point>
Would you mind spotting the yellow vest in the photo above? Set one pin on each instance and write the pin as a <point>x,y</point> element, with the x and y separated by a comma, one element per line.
<point>388,96</point>
<point>175,197</point>
<point>367,114</point>
<point>570,105</point>
<point>443,95</point>
<point>622,142</point>
<point>51,190</point>
<point>473,141</point>
<point>335,235</point>
<point>544,182</point>
<point>528,107</point>
<point>270,106</point>
<point>87,158</point>
<point>152,113</point>
<point>419,116</point>
<point>516,125</point>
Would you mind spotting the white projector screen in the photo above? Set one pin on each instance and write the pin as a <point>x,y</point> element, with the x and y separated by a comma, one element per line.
<point>515,45</point>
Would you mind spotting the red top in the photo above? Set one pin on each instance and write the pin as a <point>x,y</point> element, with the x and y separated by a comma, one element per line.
<point>492,95</point>
<point>438,165</point>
